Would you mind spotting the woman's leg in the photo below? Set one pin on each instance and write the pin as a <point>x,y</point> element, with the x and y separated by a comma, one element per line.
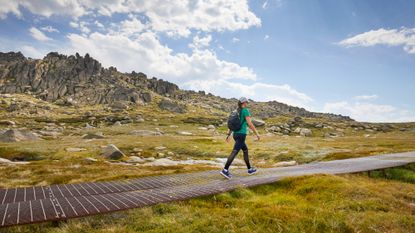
<point>244,148</point>
<point>236,149</point>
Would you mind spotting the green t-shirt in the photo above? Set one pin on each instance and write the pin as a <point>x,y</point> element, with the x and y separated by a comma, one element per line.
<point>244,129</point>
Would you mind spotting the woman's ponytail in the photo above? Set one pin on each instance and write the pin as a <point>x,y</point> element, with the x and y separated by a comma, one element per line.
<point>239,107</point>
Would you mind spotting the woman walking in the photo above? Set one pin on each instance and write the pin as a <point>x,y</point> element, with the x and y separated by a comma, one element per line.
<point>239,136</point>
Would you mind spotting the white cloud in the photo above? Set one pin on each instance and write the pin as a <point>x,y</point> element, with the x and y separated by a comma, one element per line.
<point>74,24</point>
<point>132,26</point>
<point>38,35</point>
<point>9,7</point>
<point>84,29</point>
<point>49,29</point>
<point>274,3</point>
<point>265,5</point>
<point>256,90</point>
<point>81,26</point>
<point>234,40</point>
<point>266,37</point>
<point>175,18</point>
<point>179,17</point>
<point>146,53</point>
<point>200,42</point>
<point>394,37</point>
<point>32,52</point>
<point>98,24</point>
<point>366,97</point>
<point>369,112</point>
<point>48,8</point>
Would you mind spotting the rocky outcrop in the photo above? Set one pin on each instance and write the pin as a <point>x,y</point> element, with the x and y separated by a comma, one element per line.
<point>172,106</point>
<point>75,79</point>
<point>61,78</point>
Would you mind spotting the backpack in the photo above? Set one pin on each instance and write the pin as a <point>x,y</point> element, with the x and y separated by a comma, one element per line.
<point>234,121</point>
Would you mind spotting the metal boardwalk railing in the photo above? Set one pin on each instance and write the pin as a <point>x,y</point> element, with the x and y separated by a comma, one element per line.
<point>58,202</point>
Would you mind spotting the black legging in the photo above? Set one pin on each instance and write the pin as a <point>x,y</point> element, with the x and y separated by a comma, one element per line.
<point>239,144</point>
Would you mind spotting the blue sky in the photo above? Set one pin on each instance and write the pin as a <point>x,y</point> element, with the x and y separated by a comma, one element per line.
<point>355,58</point>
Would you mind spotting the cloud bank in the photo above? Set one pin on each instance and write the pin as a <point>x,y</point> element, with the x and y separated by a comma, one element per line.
<point>404,37</point>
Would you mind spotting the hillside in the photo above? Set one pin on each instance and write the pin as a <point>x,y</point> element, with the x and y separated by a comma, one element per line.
<point>69,80</point>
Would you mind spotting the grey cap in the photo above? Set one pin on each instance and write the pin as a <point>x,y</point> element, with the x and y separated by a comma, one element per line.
<point>243,100</point>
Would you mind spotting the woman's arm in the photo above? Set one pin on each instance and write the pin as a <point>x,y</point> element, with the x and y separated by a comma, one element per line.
<point>251,126</point>
<point>228,134</point>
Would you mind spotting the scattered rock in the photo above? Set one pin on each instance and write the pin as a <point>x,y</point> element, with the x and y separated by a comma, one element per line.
<point>6,122</point>
<point>14,135</point>
<point>331,135</point>
<point>305,132</point>
<point>112,152</point>
<point>96,135</point>
<point>74,149</point>
<point>88,126</point>
<point>203,120</point>
<point>117,123</point>
<point>89,159</point>
<point>51,134</point>
<point>160,148</point>
<point>135,159</point>
<point>119,106</point>
<point>139,119</point>
<point>137,150</point>
<point>202,128</point>
<point>142,132</point>
<point>185,133</point>
<point>258,122</point>
<point>211,127</point>
<point>298,119</point>
<point>9,162</point>
<point>162,162</point>
<point>274,129</point>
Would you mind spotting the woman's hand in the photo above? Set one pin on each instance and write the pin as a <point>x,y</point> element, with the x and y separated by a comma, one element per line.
<point>258,137</point>
<point>228,139</point>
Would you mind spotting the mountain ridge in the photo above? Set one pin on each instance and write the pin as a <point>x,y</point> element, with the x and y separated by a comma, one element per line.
<point>64,79</point>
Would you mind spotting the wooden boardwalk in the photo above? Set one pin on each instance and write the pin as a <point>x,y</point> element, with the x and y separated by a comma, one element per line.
<point>58,202</point>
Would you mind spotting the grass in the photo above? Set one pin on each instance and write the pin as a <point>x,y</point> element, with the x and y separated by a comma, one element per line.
<point>404,173</point>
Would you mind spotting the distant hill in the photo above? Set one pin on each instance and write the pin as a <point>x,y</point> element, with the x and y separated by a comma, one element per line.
<point>79,79</point>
